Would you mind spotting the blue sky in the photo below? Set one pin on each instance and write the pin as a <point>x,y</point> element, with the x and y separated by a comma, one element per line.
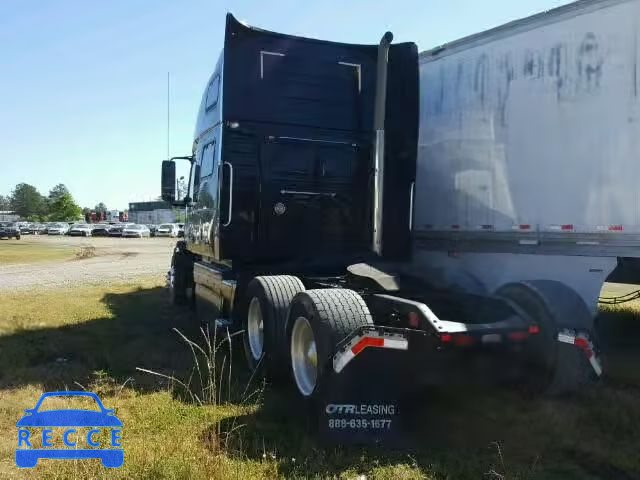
<point>83,83</point>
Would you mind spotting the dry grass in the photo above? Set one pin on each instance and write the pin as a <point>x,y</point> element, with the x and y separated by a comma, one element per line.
<point>30,250</point>
<point>85,251</point>
<point>94,338</point>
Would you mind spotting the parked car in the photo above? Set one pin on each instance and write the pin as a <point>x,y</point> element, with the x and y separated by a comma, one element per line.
<point>167,230</point>
<point>58,229</point>
<point>9,230</point>
<point>24,228</point>
<point>100,230</point>
<point>136,230</point>
<point>36,228</point>
<point>80,229</point>
<point>116,230</point>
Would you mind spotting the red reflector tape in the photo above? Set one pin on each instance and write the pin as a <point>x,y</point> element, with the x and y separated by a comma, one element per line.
<point>445,338</point>
<point>581,343</point>
<point>517,336</point>
<point>358,344</point>
<point>566,227</point>
<point>367,342</point>
<point>463,340</point>
<point>615,228</point>
<point>533,329</point>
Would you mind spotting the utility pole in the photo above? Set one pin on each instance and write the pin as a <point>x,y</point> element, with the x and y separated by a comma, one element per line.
<point>168,118</point>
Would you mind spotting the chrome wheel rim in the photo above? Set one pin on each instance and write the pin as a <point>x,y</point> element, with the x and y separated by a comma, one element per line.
<point>255,329</point>
<point>304,356</point>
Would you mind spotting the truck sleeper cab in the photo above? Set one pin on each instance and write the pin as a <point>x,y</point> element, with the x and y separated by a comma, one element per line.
<point>298,231</point>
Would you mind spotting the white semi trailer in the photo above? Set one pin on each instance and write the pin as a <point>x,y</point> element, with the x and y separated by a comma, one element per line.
<point>529,151</point>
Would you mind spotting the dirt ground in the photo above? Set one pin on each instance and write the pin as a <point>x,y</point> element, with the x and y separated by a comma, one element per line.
<point>89,261</point>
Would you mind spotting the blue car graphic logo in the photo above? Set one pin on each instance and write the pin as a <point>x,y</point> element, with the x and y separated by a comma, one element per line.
<point>68,418</point>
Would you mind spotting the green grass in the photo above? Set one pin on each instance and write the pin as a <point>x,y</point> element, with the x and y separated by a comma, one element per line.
<point>96,337</point>
<point>29,250</point>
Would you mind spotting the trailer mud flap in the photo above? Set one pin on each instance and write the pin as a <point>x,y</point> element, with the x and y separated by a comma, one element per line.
<point>582,341</point>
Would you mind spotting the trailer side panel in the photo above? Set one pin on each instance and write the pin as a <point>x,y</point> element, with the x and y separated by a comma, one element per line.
<point>529,139</point>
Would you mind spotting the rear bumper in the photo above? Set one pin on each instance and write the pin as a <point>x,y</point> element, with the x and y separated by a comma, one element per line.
<point>411,358</point>
<point>402,358</point>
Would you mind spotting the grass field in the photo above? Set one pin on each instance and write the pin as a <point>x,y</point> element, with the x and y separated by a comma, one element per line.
<point>30,250</point>
<point>94,338</point>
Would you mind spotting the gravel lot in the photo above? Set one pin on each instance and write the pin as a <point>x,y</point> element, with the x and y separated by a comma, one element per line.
<point>111,260</point>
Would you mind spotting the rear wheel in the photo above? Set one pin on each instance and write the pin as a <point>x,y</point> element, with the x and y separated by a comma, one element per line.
<point>180,277</point>
<point>557,368</point>
<point>318,321</point>
<point>267,302</point>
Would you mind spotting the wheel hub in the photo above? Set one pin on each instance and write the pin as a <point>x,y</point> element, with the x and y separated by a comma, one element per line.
<point>304,356</point>
<point>255,329</point>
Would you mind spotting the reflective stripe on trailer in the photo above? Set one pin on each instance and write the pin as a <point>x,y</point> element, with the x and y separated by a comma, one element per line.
<point>610,228</point>
<point>358,343</point>
<point>582,341</point>
<point>567,227</point>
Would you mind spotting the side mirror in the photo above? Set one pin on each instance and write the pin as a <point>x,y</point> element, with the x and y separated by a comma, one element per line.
<point>168,182</point>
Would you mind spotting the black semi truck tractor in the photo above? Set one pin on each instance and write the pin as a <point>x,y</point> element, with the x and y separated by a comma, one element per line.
<point>299,231</point>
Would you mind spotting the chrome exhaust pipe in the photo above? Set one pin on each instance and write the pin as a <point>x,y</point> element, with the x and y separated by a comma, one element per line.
<point>378,147</point>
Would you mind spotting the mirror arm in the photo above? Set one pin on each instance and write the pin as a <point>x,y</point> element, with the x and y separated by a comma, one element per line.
<point>191,158</point>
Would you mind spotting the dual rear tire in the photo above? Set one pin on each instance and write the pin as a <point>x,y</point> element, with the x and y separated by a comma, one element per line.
<point>263,320</point>
<point>292,332</point>
<point>318,321</point>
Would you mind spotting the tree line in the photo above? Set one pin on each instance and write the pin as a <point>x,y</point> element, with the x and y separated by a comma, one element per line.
<point>59,205</point>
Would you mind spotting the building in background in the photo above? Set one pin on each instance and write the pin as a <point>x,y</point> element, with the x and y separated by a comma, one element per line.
<point>151,213</point>
<point>8,216</point>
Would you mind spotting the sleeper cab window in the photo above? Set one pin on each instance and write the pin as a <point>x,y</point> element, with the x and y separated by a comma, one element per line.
<point>213,91</point>
<point>208,155</point>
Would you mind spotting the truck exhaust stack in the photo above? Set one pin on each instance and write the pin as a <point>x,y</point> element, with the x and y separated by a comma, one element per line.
<point>378,148</point>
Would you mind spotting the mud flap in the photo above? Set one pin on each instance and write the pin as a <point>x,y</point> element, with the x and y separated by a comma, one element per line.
<point>362,402</point>
<point>581,340</point>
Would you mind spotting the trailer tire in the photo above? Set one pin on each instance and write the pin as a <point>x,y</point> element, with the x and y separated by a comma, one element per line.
<point>331,314</point>
<point>267,303</point>
<point>181,277</point>
<point>563,368</point>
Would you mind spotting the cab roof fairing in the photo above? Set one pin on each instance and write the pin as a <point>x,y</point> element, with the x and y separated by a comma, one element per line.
<point>209,118</point>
